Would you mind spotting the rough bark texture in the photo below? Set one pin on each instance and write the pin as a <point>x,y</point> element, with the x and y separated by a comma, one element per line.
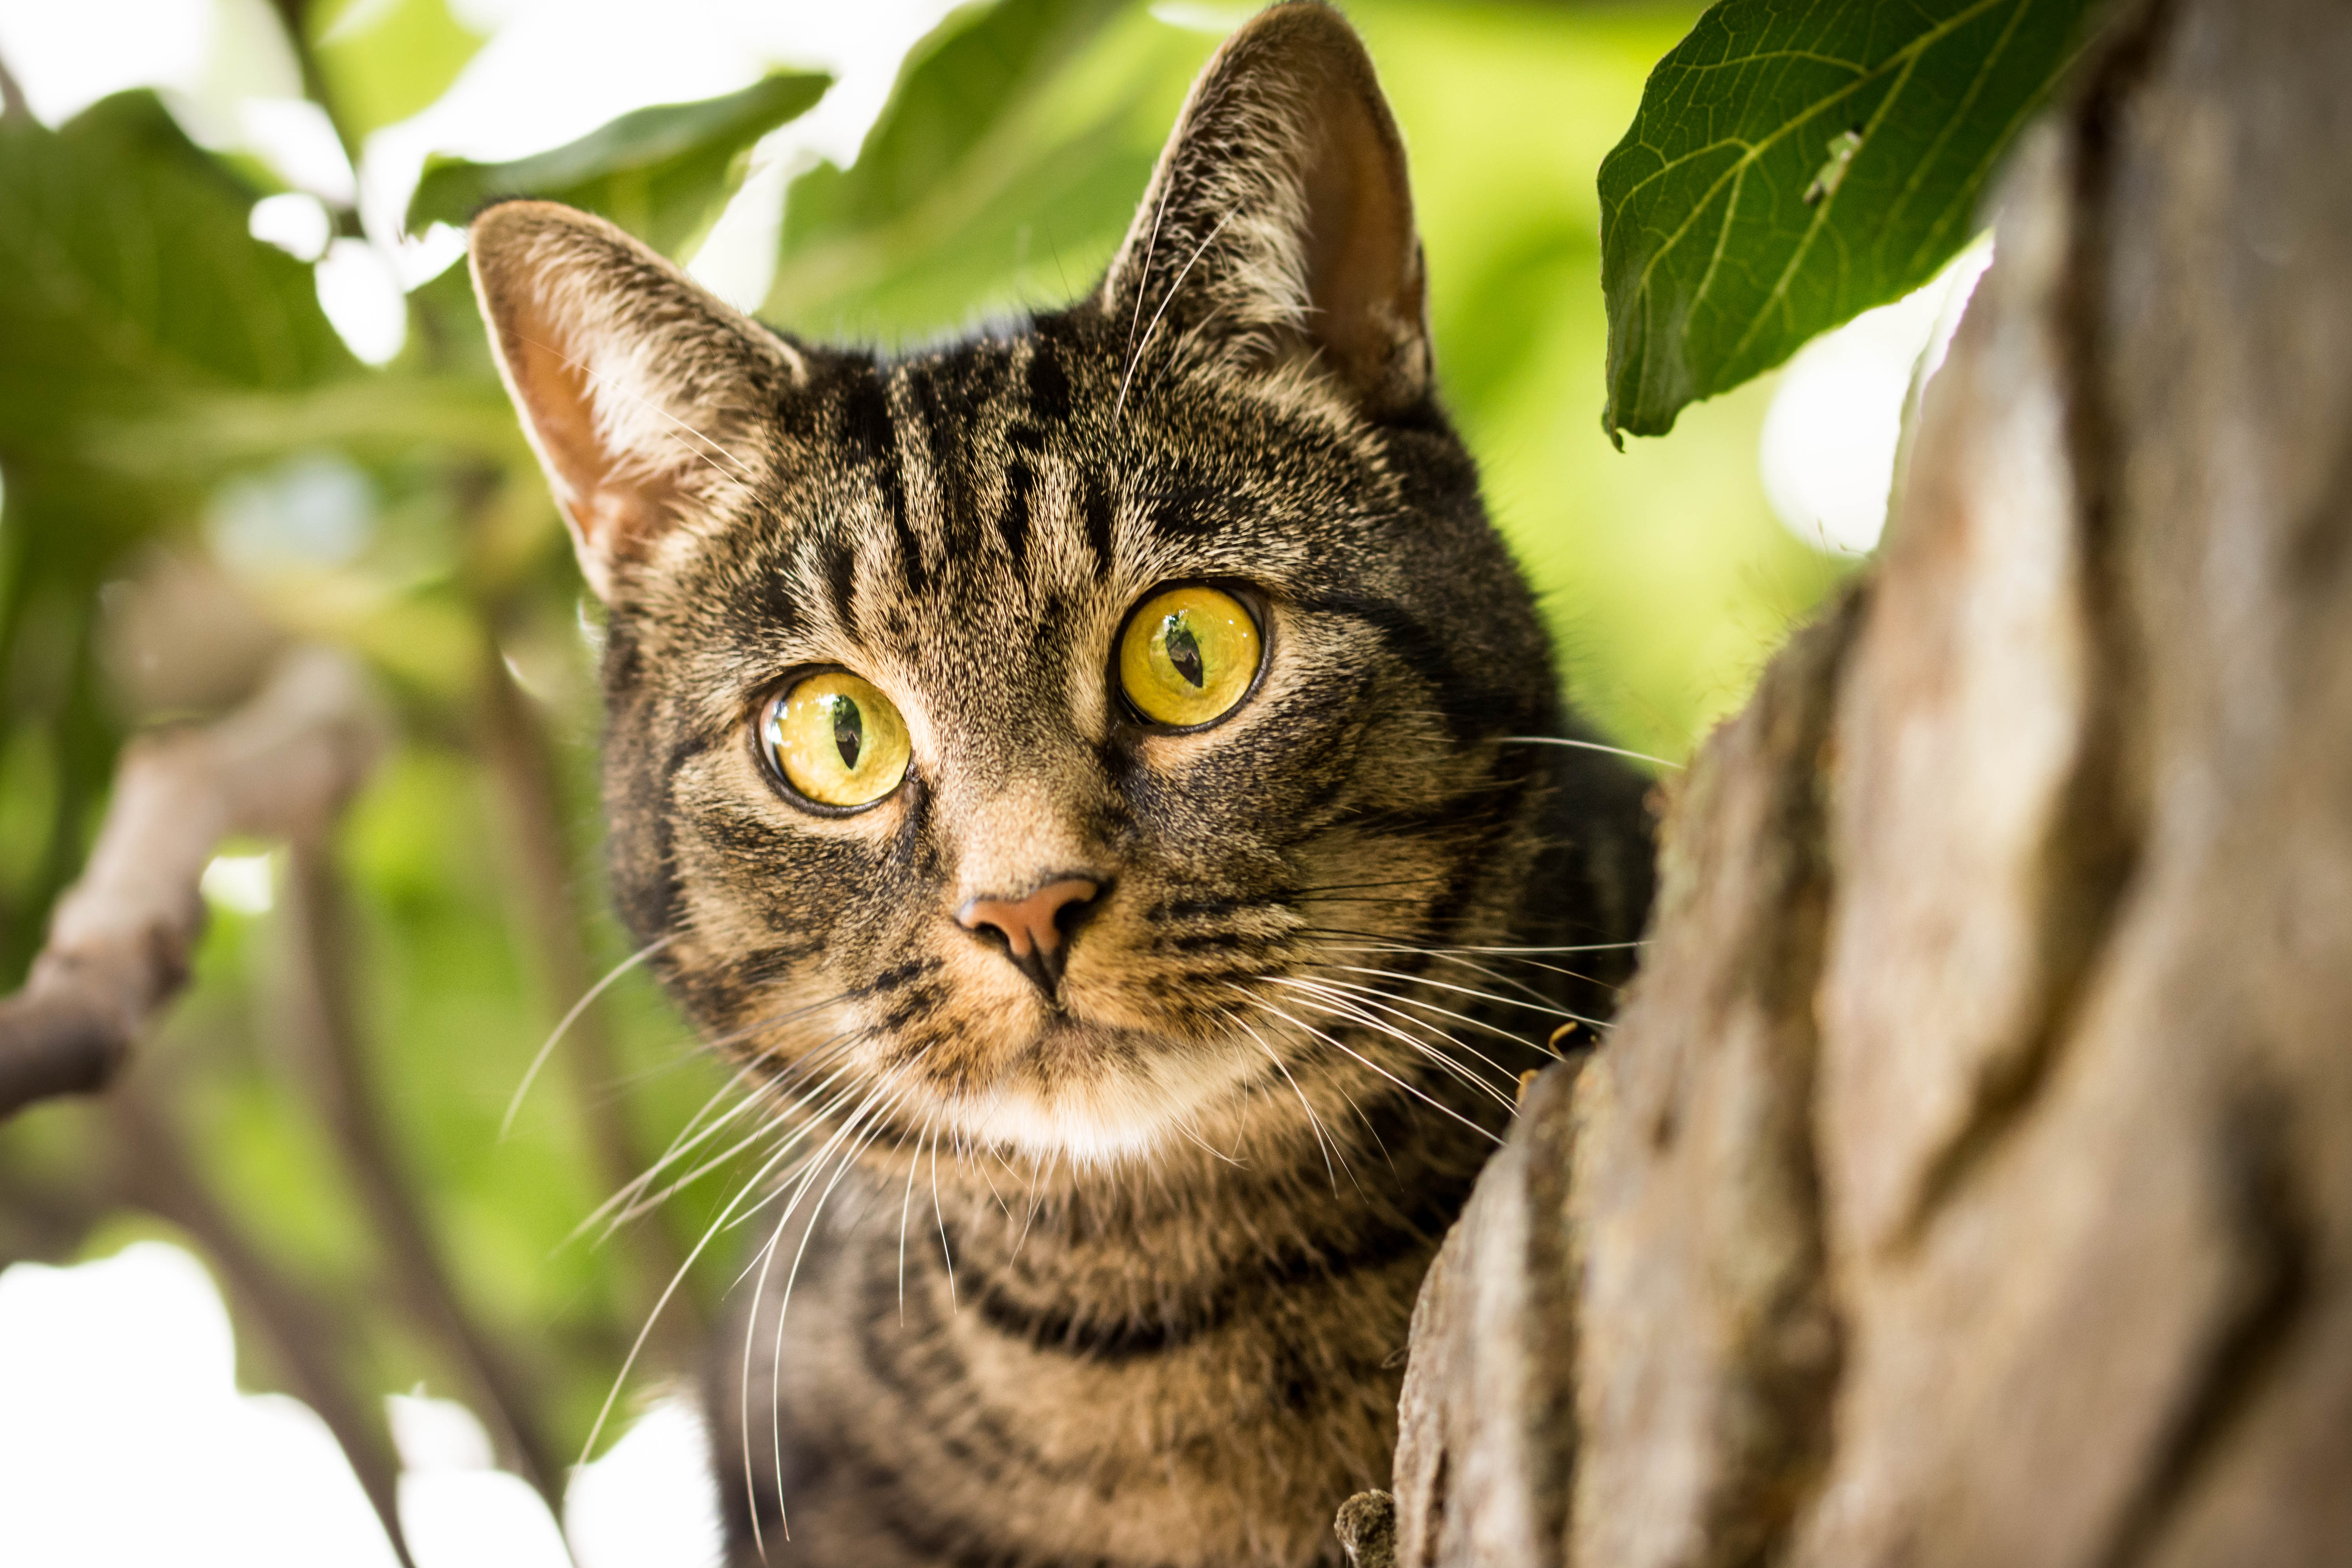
<point>1969,1179</point>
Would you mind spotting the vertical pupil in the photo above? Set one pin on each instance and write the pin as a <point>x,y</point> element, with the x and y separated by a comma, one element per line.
<point>1184,651</point>
<point>848,730</point>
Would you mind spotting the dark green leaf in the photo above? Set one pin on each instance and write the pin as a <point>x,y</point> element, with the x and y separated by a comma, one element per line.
<point>1793,166</point>
<point>662,173</point>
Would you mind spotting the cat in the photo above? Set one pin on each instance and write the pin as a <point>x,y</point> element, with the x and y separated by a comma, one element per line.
<point>1088,779</point>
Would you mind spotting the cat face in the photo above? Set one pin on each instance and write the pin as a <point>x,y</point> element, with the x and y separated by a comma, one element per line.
<point>1037,739</point>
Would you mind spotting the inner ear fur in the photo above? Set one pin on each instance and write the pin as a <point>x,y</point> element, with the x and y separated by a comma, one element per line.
<point>1280,217</point>
<point>642,394</point>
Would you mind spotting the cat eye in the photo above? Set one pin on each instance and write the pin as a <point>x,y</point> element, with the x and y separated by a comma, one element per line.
<point>836,740</point>
<point>1189,656</point>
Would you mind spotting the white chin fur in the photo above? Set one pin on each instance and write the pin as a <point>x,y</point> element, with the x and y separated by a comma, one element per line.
<point>1120,1114</point>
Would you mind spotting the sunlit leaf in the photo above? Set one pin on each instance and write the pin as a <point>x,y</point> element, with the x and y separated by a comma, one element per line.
<point>384,62</point>
<point>1793,166</point>
<point>127,275</point>
<point>1012,142</point>
<point>663,173</point>
<point>128,286</point>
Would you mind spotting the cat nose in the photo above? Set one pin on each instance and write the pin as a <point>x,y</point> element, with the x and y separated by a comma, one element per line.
<point>1036,926</point>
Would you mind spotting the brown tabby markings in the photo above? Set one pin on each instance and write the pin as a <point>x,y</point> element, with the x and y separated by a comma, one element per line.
<point>1113,1272</point>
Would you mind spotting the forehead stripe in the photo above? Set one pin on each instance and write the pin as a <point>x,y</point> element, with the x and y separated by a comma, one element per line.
<point>1015,523</point>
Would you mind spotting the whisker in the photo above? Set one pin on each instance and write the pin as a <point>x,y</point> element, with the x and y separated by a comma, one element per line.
<point>1505,952</point>
<point>941,1215</point>
<point>1399,999</point>
<point>1339,1008</point>
<point>637,1347</point>
<point>1336,995</point>
<point>1204,1146</point>
<point>1543,1007</point>
<point>1450,954</point>
<point>1585,746</point>
<point>506,1125</point>
<point>1406,949</point>
<point>913,1166</point>
<point>877,1106</point>
<point>1170,298</point>
<point>795,1104</point>
<point>693,1134</point>
<point>1143,276</point>
<point>1314,1122</point>
<point>1336,1045</point>
<point>1372,1132</point>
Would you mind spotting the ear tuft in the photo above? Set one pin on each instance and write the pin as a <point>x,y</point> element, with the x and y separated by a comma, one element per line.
<point>1279,223</point>
<point>646,398</point>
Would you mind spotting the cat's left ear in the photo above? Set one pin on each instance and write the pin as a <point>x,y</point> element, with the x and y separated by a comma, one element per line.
<point>1279,224</point>
<point>646,398</point>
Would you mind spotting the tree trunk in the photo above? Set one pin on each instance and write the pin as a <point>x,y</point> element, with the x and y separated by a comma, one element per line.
<point>1969,1178</point>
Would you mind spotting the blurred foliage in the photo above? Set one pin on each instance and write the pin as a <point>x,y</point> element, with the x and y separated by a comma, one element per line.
<point>197,473</point>
<point>1791,168</point>
<point>662,173</point>
<point>379,63</point>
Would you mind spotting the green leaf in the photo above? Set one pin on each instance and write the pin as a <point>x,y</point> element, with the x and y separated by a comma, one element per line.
<point>662,173</point>
<point>1018,134</point>
<point>1793,166</point>
<point>383,60</point>
<point>128,284</point>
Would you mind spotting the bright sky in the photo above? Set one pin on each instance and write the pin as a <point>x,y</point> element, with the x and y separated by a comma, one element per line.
<point>124,1442</point>
<point>552,70</point>
<point>1828,447</point>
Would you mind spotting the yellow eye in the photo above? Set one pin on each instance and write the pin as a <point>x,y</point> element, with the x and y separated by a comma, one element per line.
<point>1188,657</point>
<point>837,740</point>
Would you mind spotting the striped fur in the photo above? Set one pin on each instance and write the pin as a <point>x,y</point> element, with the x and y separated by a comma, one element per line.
<point>1119,1275</point>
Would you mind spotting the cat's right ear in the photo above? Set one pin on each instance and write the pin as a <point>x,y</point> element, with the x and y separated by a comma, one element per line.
<point>646,398</point>
<point>1278,231</point>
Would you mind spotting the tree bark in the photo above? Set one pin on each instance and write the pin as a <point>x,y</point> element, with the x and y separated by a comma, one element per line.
<point>1969,1178</point>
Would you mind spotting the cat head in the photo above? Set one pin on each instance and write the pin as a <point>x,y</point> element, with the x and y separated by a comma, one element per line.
<point>1036,738</point>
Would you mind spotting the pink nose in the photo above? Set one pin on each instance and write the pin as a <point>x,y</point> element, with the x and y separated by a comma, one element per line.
<point>1032,924</point>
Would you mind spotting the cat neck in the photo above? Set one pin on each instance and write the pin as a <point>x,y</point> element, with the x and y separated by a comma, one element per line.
<point>1121,1256</point>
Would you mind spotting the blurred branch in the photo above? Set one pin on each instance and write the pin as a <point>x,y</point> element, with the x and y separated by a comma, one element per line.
<point>43,1220</point>
<point>12,96</point>
<point>119,937</point>
<point>344,1095</point>
<point>295,15</point>
<point>304,1334</point>
<point>521,756</point>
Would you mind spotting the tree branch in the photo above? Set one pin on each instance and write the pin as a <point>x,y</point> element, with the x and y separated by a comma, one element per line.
<point>342,1092</point>
<point>12,96</point>
<point>520,752</point>
<point>303,1334</point>
<point>119,939</point>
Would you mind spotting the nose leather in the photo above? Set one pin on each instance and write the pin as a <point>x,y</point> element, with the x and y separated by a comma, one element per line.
<point>1031,925</point>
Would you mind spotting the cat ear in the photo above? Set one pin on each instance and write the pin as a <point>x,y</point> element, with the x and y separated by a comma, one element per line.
<point>1279,223</point>
<point>646,396</point>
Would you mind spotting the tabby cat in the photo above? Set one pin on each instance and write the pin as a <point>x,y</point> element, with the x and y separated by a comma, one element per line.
<point>1080,775</point>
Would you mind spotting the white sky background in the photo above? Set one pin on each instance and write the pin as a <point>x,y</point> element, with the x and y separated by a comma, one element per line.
<point>551,72</point>
<point>1827,451</point>
<point>124,1443</point>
